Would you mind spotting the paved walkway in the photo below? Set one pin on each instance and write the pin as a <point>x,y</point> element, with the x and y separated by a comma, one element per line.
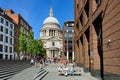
<point>27,74</point>
<point>53,74</point>
<point>30,73</point>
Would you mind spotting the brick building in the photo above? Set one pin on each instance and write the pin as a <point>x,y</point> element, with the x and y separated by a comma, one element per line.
<point>97,37</point>
<point>68,40</point>
<point>21,23</point>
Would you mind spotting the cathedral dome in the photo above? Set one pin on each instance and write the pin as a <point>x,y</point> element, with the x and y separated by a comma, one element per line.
<point>51,18</point>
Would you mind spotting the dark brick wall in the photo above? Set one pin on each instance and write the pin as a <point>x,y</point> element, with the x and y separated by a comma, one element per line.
<point>98,52</point>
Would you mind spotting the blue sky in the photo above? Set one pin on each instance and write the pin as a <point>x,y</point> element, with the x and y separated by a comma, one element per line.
<point>35,11</point>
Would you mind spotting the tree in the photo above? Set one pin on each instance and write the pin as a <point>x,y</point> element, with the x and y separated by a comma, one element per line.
<point>41,48</point>
<point>38,48</point>
<point>22,41</point>
<point>30,43</point>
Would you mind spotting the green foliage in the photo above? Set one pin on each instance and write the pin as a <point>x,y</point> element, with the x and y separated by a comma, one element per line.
<point>30,43</point>
<point>22,41</point>
<point>38,48</point>
<point>31,46</point>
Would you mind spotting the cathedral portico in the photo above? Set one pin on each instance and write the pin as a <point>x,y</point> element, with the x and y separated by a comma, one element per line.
<point>51,36</point>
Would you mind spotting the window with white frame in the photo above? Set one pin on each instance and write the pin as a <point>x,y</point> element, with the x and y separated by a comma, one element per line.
<point>11,41</point>
<point>11,33</point>
<point>6,39</point>
<point>10,49</point>
<point>1,28</point>
<point>2,20</point>
<point>7,23</point>
<point>6,30</point>
<point>6,48</point>
<point>11,26</point>
<point>1,48</point>
<point>1,37</point>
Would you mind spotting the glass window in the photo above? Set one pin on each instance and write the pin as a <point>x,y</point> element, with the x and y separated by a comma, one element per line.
<point>11,26</point>
<point>6,39</point>
<point>2,20</point>
<point>1,48</point>
<point>98,2</point>
<point>27,27</point>
<point>6,48</point>
<point>70,28</point>
<point>6,30</point>
<point>70,35</point>
<point>21,22</point>
<point>11,33</point>
<point>1,37</point>
<point>53,43</point>
<point>7,23</point>
<point>1,28</point>
<point>10,40</point>
<point>65,35</point>
<point>10,49</point>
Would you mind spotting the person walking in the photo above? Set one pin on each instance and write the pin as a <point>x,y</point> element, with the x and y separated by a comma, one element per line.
<point>32,61</point>
<point>41,62</point>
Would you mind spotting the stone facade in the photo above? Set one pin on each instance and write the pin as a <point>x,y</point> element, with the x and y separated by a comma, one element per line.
<point>51,36</point>
<point>97,37</point>
<point>7,27</point>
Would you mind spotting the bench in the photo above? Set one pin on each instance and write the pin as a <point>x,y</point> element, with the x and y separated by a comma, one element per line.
<point>77,72</point>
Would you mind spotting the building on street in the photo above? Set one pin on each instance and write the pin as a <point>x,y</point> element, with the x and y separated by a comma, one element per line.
<point>97,40</point>
<point>51,36</point>
<point>21,23</point>
<point>68,40</point>
<point>6,36</point>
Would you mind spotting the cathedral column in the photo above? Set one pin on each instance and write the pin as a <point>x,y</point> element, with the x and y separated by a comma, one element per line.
<point>54,32</point>
<point>45,32</point>
<point>49,32</point>
<point>55,53</point>
<point>58,32</point>
<point>51,54</point>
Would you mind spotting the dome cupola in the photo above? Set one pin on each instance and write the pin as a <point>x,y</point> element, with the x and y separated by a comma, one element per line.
<point>51,18</point>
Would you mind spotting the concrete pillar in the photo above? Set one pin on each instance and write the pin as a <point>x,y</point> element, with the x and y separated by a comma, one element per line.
<point>73,56</point>
<point>51,54</point>
<point>67,55</point>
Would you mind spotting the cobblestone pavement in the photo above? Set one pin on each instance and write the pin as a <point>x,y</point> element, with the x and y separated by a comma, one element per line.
<point>53,74</point>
